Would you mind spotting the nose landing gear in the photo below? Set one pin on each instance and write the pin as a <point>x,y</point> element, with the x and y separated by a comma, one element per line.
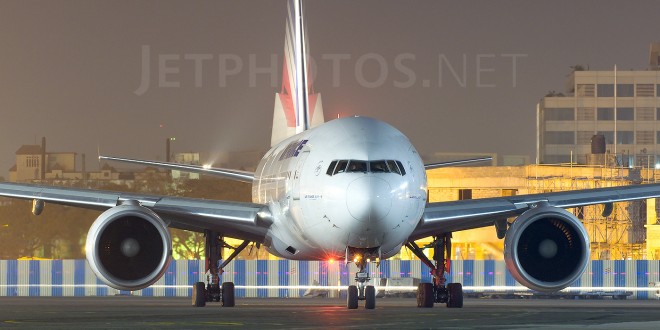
<point>361,291</point>
<point>437,292</point>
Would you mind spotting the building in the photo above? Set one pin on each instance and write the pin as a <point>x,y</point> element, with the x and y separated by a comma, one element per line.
<point>189,158</point>
<point>34,163</point>
<point>632,230</point>
<point>623,106</point>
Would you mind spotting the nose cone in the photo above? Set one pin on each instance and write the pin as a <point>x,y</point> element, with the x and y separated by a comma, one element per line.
<point>369,199</point>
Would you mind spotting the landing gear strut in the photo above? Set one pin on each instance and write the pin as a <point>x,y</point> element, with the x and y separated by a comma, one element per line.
<point>212,290</point>
<point>437,292</point>
<point>361,291</point>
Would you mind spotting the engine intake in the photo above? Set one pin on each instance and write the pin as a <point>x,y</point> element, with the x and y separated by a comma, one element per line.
<point>546,249</point>
<point>129,247</point>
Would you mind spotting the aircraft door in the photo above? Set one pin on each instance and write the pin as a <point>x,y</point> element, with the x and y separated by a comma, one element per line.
<point>295,190</point>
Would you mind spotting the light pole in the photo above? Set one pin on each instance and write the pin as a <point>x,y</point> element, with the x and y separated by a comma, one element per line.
<point>168,142</point>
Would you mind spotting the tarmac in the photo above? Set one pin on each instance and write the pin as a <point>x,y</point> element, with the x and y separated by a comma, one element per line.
<point>328,313</point>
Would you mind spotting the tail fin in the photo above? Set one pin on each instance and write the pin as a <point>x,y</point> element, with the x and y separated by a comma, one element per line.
<point>297,107</point>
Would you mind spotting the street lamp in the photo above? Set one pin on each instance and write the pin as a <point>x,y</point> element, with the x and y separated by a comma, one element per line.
<point>168,141</point>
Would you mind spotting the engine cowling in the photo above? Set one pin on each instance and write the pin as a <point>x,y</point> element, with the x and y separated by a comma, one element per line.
<point>546,248</point>
<point>129,247</point>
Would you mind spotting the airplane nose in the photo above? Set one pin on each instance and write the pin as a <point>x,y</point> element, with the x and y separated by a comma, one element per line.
<point>368,199</point>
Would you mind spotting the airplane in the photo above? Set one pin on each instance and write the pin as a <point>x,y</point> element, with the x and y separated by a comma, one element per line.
<point>352,188</point>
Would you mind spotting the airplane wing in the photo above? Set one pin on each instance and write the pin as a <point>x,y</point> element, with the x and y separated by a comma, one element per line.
<point>237,175</point>
<point>446,217</point>
<point>233,219</point>
<point>456,162</point>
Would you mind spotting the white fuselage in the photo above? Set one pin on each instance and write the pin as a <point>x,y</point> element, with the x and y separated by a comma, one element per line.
<point>352,182</point>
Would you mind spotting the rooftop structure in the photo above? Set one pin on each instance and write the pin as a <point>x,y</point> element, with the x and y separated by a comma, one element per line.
<point>623,106</point>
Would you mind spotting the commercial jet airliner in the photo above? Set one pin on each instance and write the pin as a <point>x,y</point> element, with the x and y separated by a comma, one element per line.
<point>353,188</point>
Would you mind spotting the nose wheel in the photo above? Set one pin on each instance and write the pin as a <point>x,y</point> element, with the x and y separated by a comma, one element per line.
<point>438,292</point>
<point>361,291</point>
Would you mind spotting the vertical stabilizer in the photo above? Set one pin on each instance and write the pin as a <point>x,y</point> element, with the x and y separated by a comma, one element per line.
<point>297,107</point>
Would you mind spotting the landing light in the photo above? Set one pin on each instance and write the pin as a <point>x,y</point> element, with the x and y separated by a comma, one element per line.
<point>206,166</point>
<point>657,166</point>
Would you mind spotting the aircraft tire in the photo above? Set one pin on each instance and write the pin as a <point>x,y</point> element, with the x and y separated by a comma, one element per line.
<point>425,295</point>
<point>228,294</point>
<point>370,297</point>
<point>199,294</point>
<point>455,291</point>
<point>352,297</point>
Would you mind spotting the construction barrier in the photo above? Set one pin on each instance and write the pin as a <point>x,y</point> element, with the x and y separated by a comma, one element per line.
<point>289,278</point>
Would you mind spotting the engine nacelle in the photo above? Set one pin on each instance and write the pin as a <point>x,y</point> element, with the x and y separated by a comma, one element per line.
<point>546,248</point>
<point>129,247</point>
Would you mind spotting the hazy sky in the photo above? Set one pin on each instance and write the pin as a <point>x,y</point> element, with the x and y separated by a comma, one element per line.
<point>72,70</point>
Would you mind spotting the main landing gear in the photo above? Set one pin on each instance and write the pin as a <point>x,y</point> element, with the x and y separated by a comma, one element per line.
<point>437,292</point>
<point>361,291</point>
<point>212,290</point>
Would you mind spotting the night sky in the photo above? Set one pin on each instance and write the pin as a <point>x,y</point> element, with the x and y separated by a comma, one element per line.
<point>72,70</point>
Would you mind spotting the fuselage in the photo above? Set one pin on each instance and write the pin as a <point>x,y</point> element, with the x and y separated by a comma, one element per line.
<point>352,182</point>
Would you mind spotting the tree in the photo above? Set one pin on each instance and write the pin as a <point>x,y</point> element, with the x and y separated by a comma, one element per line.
<point>60,231</point>
<point>187,244</point>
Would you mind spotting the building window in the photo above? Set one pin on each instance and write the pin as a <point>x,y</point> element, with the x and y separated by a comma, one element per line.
<point>32,161</point>
<point>657,90</point>
<point>605,90</point>
<point>657,113</point>
<point>556,159</point>
<point>609,136</point>
<point>644,137</point>
<point>657,137</point>
<point>559,137</point>
<point>587,90</point>
<point>605,114</point>
<point>646,114</point>
<point>625,90</point>
<point>585,114</point>
<point>584,137</point>
<point>509,192</point>
<point>645,161</point>
<point>464,194</point>
<point>625,137</point>
<point>625,114</point>
<point>644,90</point>
<point>566,114</point>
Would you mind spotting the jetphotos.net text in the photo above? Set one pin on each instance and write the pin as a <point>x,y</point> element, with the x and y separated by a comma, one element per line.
<point>370,70</point>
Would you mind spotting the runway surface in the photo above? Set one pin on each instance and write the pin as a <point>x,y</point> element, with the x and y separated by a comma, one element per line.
<point>308,313</point>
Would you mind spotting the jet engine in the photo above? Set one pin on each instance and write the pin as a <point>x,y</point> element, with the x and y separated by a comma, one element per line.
<point>129,247</point>
<point>546,248</point>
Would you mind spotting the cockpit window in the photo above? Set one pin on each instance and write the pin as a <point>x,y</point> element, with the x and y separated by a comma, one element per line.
<point>403,170</point>
<point>331,168</point>
<point>357,166</point>
<point>378,166</point>
<point>393,167</point>
<point>361,166</point>
<point>341,167</point>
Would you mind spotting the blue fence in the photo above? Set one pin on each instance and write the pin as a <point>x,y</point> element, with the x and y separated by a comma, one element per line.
<point>288,278</point>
